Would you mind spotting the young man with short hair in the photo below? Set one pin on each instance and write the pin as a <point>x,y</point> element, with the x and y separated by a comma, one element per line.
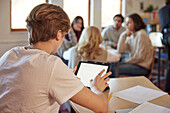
<point>34,81</point>
<point>111,33</point>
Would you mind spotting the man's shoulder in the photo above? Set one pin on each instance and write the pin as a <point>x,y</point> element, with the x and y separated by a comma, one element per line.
<point>36,56</point>
<point>51,58</point>
<point>110,27</point>
<point>107,29</point>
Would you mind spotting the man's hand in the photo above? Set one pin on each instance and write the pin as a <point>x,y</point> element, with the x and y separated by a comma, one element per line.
<point>100,83</point>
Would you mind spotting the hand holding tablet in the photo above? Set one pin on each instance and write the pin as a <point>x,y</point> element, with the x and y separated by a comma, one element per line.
<point>100,82</point>
<point>93,70</point>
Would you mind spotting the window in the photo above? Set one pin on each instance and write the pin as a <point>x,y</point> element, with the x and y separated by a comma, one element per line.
<point>20,10</point>
<point>109,9</point>
<point>77,8</point>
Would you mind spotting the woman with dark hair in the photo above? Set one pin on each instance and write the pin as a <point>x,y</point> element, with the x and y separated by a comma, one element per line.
<point>136,42</point>
<point>77,26</point>
<point>72,38</point>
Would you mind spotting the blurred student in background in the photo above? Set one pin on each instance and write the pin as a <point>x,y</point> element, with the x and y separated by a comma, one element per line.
<point>77,27</point>
<point>72,38</point>
<point>111,33</point>
<point>88,49</point>
<point>164,17</point>
<point>135,41</point>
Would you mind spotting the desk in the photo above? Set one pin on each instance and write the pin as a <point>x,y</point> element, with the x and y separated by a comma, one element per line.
<point>117,84</point>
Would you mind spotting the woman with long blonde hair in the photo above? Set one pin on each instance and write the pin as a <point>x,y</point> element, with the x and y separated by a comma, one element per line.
<point>88,49</point>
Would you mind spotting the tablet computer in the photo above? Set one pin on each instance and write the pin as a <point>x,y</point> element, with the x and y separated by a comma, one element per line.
<point>89,70</point>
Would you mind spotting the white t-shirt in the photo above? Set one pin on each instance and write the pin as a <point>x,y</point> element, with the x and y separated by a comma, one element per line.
<point>33,81</point>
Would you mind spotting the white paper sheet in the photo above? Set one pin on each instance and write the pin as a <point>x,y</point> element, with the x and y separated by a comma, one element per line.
<point>147,107</point>
<point>139,94</point>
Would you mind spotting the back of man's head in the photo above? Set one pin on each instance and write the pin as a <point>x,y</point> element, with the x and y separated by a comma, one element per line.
<point>44,21</point>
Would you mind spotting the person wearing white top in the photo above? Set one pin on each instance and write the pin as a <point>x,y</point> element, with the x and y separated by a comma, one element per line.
<point>34,81</point>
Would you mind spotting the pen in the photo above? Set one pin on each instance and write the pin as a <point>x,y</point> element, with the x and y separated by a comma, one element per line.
<point>110,96</point>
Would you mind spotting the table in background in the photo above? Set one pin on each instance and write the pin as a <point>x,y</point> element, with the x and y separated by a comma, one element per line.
<point>117,84</point>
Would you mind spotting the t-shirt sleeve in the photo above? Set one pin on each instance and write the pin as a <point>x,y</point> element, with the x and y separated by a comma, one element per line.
<point>63,83</point>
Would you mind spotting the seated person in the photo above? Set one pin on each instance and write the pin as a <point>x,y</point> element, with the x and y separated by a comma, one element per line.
<point>72,38</point>
<point>34,81</point>
<point>88,49</point>
<point>112,33</point>
<point>136,41</point>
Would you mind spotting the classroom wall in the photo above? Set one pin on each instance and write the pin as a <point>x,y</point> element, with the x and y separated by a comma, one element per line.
<point>9,39</point>
<point>95,14</point>
<point>133,6</point>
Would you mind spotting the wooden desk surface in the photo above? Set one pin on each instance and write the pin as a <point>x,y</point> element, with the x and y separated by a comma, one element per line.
<point>117,84</point>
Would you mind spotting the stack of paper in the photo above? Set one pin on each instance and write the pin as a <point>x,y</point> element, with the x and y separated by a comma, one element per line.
<point>147,107</point>
<point>139,94</point>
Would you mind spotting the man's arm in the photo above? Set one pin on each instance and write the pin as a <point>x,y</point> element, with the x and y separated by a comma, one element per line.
<point>95,100</point>
<point>106,39</point>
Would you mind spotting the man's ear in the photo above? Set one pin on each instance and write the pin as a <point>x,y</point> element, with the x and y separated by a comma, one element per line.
<point>59,35</point>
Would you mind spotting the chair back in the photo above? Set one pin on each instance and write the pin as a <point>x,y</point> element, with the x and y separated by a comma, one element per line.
<point>152,64</point>
<point>155,38</point>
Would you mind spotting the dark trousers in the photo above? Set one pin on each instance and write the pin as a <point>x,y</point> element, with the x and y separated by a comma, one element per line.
<point>113,69</point>
<point>166,42</point>
<point>133,70</point>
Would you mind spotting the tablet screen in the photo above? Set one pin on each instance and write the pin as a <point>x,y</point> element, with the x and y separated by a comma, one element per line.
<point>89,70</point>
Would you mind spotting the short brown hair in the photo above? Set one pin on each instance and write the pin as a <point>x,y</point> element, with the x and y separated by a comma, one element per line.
<point>44,21</point>
<point>138,22</point>
<point>119,15</point>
